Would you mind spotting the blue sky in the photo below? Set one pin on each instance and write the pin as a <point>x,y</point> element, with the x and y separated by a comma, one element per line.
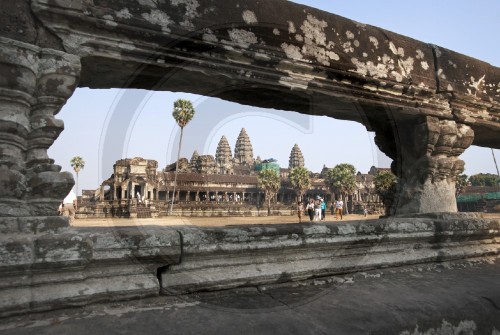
<point>468,27</point>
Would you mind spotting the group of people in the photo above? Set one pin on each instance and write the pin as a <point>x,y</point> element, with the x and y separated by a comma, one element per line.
<point>316,209</point>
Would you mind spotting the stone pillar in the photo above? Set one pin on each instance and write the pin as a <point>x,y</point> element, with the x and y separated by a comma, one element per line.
<point>425,152</point>
<point>197,196</point>
<point>35,84</point>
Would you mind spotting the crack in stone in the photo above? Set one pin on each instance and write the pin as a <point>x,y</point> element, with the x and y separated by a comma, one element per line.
<point>492,302</point>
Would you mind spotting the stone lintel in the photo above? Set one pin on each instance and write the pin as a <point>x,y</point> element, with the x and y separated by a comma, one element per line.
<point>305,60</point>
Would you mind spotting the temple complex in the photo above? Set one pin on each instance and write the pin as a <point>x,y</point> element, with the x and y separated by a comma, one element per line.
<point>136,187</point>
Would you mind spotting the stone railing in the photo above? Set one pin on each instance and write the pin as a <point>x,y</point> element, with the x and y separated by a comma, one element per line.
<point>47,265</point>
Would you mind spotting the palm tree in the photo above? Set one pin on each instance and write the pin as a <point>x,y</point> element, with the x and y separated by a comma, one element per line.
<point>300,180</point>
<point>341,180</point>
<point>77,163</point>
<point>269,181</point>
<point>183,113</point>
<point>385,186</point>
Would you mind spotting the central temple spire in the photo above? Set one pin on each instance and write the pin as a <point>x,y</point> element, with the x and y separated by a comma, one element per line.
<point>243,151</point>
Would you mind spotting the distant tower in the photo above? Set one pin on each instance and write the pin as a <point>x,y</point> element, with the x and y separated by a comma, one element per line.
<point>193,163</point>
<point>243,151</point>
<point>296,158</point>
<point>223,157</point>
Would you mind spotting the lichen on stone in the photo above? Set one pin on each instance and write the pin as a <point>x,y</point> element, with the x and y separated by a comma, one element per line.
<point>209,36</point>
<point>191,11</point>
<point>315,42</point>
<point>476,84</point>
<point>123,14</point>
<point>158,17</point>
<point>249,17</point>
<point>292,51</point>
<point>374,41</point>
<point>242,37</point>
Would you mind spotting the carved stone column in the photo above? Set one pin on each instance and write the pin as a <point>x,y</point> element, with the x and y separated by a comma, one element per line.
<point>35,84</point>
<point>425,152</point>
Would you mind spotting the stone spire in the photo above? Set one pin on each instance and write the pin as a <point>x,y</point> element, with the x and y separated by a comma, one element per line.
<point>223,157</point>
<point>193,163</point>
<point>296,158</point>
<point>243,151</point>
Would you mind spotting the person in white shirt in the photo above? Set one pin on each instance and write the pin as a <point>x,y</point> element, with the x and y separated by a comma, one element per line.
<point>317,209</point>
<point>69,205</point>
<point>339,205</point>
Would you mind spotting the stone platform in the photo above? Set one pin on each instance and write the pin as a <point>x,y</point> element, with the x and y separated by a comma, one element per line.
<point>47,266</point>
<point>461,297</point>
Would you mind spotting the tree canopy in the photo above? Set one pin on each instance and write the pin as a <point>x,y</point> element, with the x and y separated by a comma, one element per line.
<point>341,179</point>
<point>183,112</point>
<point>385,186</point>
<point>484,179</point>
<point>269,182</point>
<point>77,163</point>
<point>384,182</point>
<point>300,180</point>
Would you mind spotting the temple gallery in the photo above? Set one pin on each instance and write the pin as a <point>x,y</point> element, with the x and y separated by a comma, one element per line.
<point>207,185</point>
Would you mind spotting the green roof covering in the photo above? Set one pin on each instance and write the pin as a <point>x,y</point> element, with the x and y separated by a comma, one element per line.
<point>477,197</point>
<point>268,166</point>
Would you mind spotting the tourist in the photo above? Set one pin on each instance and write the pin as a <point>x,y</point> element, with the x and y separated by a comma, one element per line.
<point>317,209</point>
<point>300,210</point>
<point>365,211</point>
<point>310,210</point>
<point>138,195</point>
<point>69,205</point>
<point>323,209</point>
<point>339,205</point>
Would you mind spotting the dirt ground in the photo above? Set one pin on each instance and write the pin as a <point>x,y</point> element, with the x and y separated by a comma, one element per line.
<point>221,221</point>
<point>209,221</point>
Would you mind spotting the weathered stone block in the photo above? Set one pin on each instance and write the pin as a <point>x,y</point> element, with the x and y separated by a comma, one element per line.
<point>216,259</point>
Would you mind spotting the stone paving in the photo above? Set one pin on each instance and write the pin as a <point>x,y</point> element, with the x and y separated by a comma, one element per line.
<point>461,297</point>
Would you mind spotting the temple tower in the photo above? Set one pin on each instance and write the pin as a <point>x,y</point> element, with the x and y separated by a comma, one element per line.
<point>243,151</point>
<point>223,157</point>
<point>206,164</point>
<point>193,163</point>
<point>296,158</point>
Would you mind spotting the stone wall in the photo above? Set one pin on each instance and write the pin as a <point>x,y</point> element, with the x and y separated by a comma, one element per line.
<point>46,265</point>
